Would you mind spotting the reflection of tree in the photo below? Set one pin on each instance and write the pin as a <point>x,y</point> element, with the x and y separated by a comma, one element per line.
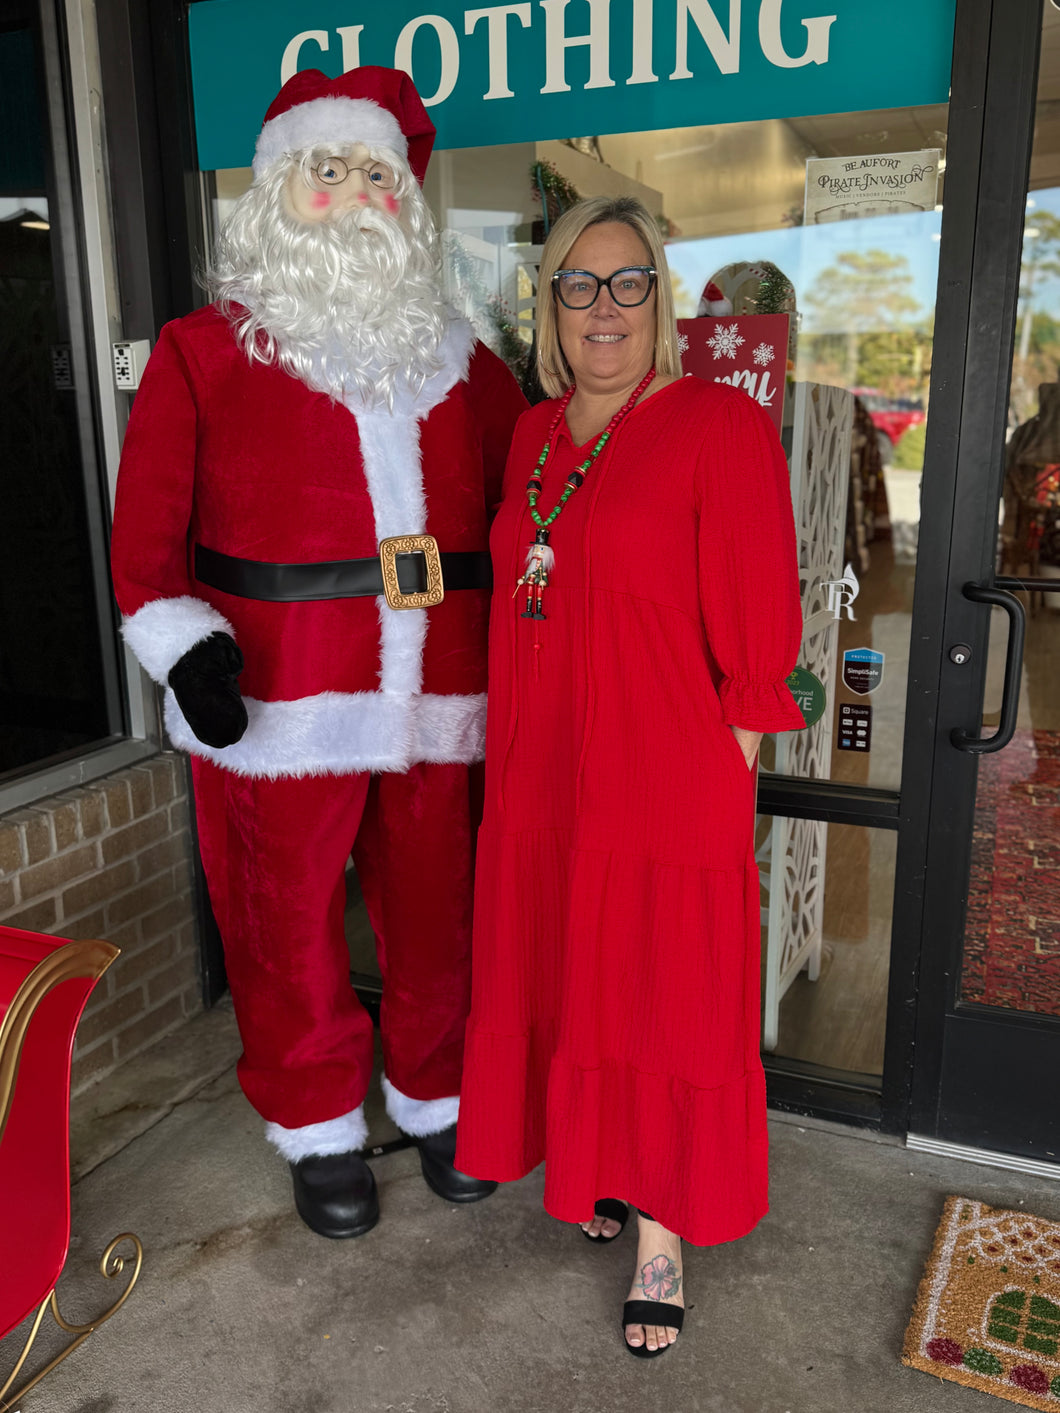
<point>685,304</point>
<point>909,453</point>
<point>897,361</point>
<point>859,312</point>
<point>1038,332</point>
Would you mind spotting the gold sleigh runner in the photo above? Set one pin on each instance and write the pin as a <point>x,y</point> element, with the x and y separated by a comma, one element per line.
<point>36,1043</point>
<point>111,1265</point>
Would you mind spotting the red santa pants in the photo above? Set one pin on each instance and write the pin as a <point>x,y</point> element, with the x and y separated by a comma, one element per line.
<point>275,854</point>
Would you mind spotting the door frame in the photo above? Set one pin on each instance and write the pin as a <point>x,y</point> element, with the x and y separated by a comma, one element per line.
<point>955,1062</point>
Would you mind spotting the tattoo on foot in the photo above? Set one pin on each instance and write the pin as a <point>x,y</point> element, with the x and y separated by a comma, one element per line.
<point>659,1279</point>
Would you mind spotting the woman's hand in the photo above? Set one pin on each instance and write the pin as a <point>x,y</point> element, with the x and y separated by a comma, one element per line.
<point>748,742</point>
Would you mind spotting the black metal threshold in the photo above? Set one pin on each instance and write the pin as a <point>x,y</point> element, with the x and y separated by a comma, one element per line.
<point>818,1093</point>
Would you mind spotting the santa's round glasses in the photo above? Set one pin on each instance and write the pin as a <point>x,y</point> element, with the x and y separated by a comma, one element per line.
<point>333,171</point>
<point>630,286</point>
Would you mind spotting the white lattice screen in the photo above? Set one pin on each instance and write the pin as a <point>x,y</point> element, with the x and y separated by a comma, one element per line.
<point>792,855</point>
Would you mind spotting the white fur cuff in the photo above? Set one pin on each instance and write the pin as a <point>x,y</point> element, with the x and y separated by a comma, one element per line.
<point>420,1117</point>
<point>162,631</point>
<point>338,733</point>
<point>346,1134</point>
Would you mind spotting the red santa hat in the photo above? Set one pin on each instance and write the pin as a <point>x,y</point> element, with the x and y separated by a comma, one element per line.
<point>373,105</point>
<point>713,301</point>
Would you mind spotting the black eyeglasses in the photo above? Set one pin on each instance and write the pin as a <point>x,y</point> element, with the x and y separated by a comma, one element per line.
<point>630,286</point>
<point>333,171</point>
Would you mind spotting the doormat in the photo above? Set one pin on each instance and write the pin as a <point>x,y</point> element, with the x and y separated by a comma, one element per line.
<point>1012,933</point>
<point>988,1310</point>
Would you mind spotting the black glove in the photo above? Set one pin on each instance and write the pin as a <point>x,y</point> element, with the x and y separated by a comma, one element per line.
<point>204,684</point>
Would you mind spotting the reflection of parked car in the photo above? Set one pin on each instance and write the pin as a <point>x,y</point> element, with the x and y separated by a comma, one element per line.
<point>891,416</point>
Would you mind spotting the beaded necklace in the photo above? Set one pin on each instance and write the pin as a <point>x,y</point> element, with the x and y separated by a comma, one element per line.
<point>540,557</point>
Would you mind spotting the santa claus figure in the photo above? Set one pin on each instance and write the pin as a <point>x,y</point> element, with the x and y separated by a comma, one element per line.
<point>300,555</point>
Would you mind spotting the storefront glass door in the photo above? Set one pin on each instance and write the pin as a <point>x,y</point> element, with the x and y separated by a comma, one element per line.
<point>848,386</point>
<point>1011,954</point>
<point>754,228</point>
<point>989,1021</point>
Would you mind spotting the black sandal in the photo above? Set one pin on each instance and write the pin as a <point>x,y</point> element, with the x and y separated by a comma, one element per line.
<point>646,1312</point>
<point>615,1210</point>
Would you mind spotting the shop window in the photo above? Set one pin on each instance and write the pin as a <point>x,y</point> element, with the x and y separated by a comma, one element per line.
<point>59,680</point>
<point>770,217</point>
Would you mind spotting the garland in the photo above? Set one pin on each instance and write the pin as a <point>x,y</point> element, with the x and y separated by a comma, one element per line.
<point>553,190</point>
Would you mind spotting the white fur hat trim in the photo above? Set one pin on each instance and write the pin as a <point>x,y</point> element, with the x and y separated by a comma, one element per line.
<point>327,122</point>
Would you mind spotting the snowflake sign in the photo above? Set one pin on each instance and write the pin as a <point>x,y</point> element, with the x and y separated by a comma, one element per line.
<point>747,351</point>
<point>726,342</point>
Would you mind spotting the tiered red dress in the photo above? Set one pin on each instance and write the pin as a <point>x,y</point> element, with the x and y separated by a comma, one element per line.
<point>615,1009</point>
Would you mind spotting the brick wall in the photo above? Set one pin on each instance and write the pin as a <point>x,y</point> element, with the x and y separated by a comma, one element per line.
<point>113,860</point>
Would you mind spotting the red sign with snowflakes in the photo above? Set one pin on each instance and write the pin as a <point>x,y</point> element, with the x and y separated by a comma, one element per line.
<point>750,351</point>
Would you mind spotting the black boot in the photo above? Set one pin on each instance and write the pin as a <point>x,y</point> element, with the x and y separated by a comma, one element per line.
<point>437,1156</point>
<point>336,1196</point>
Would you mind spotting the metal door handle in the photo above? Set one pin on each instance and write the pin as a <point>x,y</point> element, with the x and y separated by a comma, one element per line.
<point>1010,700</point>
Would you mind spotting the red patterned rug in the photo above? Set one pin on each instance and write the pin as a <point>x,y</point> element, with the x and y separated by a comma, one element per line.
<point>1012,934</point>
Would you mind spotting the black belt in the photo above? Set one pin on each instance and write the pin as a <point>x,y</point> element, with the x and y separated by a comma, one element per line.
<point>338,578</point>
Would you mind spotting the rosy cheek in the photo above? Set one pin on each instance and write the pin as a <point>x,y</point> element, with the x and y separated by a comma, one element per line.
<point>320,200</point>
<point>391,204</point>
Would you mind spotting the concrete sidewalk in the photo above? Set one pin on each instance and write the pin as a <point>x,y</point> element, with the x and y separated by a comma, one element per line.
<point>468,1310</point>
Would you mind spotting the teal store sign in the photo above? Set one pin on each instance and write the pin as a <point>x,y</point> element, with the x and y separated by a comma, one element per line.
<point>541,69</point>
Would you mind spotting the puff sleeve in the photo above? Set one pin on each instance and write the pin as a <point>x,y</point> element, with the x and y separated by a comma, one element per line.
<point>748,569</point>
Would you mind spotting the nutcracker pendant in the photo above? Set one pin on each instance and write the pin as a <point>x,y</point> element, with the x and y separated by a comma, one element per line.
<point>540,561</point>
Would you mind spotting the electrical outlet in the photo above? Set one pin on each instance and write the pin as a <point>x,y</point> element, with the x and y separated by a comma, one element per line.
<point>130,360</point>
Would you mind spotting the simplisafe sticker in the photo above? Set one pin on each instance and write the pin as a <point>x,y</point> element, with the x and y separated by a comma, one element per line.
<point>855,727</point>
<point>809,695</point>
<point>862,670</point>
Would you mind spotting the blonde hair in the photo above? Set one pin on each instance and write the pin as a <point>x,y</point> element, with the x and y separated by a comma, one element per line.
<point>553,368</point>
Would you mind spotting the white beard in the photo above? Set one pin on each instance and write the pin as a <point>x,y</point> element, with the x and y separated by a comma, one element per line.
<point>352,307</point>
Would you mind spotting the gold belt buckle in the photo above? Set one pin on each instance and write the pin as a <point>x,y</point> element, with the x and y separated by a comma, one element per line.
<point>426,545</point>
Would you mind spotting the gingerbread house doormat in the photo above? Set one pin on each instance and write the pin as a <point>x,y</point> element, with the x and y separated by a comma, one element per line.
<point>988,1310</point>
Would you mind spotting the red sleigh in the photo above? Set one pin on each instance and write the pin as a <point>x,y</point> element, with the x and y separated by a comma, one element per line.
<point>44,984</point>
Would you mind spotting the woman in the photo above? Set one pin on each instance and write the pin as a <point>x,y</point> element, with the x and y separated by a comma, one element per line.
<point>614,1020</point>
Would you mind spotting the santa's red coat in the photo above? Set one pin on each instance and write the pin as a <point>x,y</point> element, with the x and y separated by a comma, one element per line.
<point>247,460</point>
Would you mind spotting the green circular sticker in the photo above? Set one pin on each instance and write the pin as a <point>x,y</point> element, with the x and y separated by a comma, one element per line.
<point>808,692</point>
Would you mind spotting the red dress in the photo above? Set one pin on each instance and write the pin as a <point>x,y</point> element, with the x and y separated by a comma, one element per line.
<point>615,977</point>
